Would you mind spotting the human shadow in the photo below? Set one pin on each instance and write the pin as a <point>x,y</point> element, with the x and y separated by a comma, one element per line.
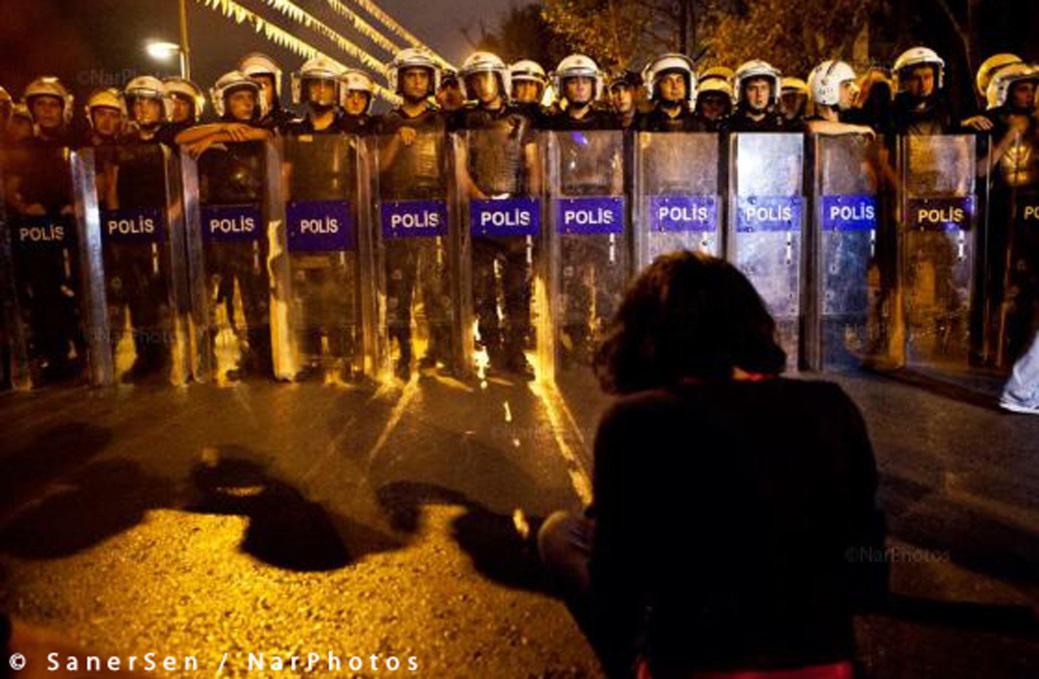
<point>494,544</point>
<point>286,529</point>
<point>51,454</point>
<point>85,508</point>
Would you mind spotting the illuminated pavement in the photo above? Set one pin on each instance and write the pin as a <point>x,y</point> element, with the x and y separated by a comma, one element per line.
<point>296,519</point>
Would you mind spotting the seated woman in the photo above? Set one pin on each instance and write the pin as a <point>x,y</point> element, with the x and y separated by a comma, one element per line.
<point>733,527</point>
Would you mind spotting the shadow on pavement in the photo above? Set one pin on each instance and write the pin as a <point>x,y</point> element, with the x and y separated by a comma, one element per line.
<point>285,529</point>
<point>84,508</point>
<point>52,453</point>
<point>493,542</point>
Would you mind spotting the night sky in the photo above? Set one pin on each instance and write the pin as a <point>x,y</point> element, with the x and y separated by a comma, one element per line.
<point>101,42</point>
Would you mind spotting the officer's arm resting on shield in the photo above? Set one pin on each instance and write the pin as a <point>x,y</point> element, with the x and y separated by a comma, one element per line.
<point>388,154</point>
<point>1018,126</point>
<point>977,123</point>
<point>832,128</point>
<point>13,190</point>
<point>218,132</point>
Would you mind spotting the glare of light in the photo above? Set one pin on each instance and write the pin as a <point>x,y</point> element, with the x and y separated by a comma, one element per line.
<point>161,50</point>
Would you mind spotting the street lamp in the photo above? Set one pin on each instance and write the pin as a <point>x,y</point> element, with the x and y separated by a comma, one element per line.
<point>161,50</point>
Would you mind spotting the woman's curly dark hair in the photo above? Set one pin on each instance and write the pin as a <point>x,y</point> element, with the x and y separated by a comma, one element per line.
<point>687,316</point>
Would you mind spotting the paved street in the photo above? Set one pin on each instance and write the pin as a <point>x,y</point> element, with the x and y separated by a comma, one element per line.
<point>291,519</point>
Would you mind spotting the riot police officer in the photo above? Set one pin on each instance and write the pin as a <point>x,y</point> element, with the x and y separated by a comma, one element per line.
<point>714,96</point>
<point>320,167</point>
<point>45,252</point>
<point>1014,217</point>
<point>187,102</point>
<point>833,89</point>
<point>148,107</point>
<point>624,90</point>
<point>106,117</point>
<point>20,125</point>
<point>499,161</point>
<point>50,104</point>
<point>412,167</point>
<point>579,82</point>
<point>921,107</point>
<point>449,95</point>
<point>529,81</point>
<point>593,266</point>
<point>988,70</point>
<point>316,86</point>
<point>671,87</point>
<point>794,99</point>
<point>357,98</point>
<point>232,173</point>
<point>757,89</point>
<point>268,75</point>
<point>132,176</point>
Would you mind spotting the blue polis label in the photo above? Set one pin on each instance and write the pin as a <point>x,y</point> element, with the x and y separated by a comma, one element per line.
<point>413,218</point>
<point>232,223</point>
<point>940,214</point>
<point>42,232</point>
<point>590,215</point>
<point>849,213</point>
<point>319,226</point>
<point>683,213</point>
<point>769,213</point>
<point>135,225</point>
<point>505,217</point>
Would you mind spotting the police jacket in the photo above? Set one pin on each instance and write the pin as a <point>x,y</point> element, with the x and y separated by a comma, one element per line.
<point>657,120</point>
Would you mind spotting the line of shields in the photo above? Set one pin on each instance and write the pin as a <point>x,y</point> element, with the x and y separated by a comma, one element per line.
<point>346,259</point>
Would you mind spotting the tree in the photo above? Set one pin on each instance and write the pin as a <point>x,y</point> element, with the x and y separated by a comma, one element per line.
<point>794,37</point>
<point>616,33</point>
<point>522,33</point>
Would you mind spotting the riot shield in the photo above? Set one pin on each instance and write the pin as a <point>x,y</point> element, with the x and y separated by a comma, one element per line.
<point>588,240</point>
<point>765,225</point>
<point>677,202</point>
<point>938,218</point>
<point>133,213</point>
<point>417,294</point>
<point>329,258</point>
<point>1014,242</point>
<point>500,242</point>
<point>842,252</point>
<point>46,342</point>
<point>237,262</point>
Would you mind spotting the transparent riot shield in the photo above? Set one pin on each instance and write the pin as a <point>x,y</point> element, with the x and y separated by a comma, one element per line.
<point>500,242</point>
<point>329,258</point>
<point>938,217</point>
<point>677,202</point>
<point>45,338</point>
<point>419,281</point>
<point>1014,248</point>
<point>588,240</point>
<point>765,225</point>
<point>841,252</point>
<point>133,214</point>
<point>237,261</point>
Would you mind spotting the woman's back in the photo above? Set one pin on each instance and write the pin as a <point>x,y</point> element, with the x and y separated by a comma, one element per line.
<point>742,513</point>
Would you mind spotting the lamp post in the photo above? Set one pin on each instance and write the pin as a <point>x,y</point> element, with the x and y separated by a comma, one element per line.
<point>163,50</point>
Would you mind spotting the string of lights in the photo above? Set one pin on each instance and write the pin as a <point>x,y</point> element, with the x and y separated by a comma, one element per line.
<point>281,37</point>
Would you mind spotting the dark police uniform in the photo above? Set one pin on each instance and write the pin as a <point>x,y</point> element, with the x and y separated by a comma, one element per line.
<point>498,140</point>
